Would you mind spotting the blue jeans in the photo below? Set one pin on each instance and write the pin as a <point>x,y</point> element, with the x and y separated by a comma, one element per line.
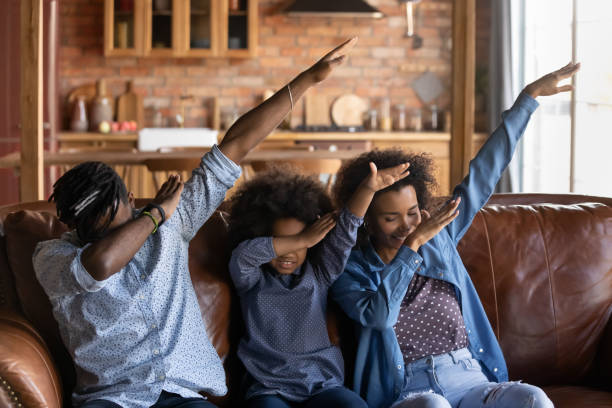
<point>456,380</point>
<point>166,400</point>
<point>338,397</point>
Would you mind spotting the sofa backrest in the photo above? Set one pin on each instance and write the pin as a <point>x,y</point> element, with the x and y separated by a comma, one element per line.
<point>544,275</point>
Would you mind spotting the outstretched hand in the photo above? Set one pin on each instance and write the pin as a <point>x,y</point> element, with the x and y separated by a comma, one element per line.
<point>548,84</point>
<point>322,68</point>
<point>381,179</point>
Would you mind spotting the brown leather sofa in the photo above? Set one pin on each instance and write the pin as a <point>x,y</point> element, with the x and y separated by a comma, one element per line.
<point>543,271</point>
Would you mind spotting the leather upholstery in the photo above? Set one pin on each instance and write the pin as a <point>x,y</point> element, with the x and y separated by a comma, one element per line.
<point>543,271</point>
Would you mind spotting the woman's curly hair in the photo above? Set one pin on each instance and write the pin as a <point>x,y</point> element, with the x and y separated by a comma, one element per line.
<point>274,194</point>
<point>421,174</point>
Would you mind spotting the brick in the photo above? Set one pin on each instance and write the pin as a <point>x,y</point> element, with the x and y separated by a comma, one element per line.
<point>388,52</point>
<point>135,71</point>
<point>363,62</point>
<point>279,41</point>
<point>169,71</point>
<point>275,61</point>
<point>293,52</point>
<point>322,31</point>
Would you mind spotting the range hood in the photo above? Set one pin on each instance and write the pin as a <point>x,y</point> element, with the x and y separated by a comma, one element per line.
<point>333,8</point>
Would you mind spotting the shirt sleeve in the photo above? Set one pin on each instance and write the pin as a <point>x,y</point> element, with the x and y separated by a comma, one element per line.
<point>486,168</point>
<point>372,298</point>
<point>246,261</point>
<point>204,192</point>
<point>58,268</point>
<point>336,247</point>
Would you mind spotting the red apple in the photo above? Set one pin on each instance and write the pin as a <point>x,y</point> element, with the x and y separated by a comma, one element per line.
<point>115,127</point>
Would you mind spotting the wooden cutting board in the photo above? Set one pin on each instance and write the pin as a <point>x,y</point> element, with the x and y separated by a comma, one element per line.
<point>129,106</point>
<point>348,110</point>
<point>316,110</point>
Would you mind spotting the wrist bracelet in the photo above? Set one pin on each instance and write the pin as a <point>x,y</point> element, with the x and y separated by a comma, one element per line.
<point>158,207</point>
<point>290,95</point>
<point>148,214</point>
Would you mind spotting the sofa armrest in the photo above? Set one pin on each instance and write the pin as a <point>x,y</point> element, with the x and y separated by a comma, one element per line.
<point>28,376</point>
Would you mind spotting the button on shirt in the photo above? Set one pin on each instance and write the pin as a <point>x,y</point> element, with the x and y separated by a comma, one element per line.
<point>286,349</point>
<point>371,292</point>
<point>140,331</point>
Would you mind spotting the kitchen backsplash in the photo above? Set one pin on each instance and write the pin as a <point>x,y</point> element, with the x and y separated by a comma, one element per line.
<point>383,64</point>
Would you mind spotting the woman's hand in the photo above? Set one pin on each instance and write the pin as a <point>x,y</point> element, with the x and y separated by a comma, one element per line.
<point>548,84</point>
<point>381,179</point>
<point>431,225</point>
<point>322,68</point>
<point>312,235</point>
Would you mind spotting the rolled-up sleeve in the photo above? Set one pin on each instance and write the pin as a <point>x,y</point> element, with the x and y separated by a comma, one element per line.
<point>204,192</point>
<point>58,268</point>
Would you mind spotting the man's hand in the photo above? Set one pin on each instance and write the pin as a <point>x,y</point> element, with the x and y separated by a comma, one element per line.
<point>548,84</point>
<point>169,194</point>
<point>431,225</point>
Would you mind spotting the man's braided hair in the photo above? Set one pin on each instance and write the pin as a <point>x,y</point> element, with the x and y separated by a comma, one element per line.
<point>87,194</point>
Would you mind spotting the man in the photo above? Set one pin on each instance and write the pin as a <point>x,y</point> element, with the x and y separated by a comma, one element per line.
<point>119,281</point>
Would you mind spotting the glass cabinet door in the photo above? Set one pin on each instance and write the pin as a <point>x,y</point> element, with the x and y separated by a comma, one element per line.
<point>123,27</point>
<point>201,25</point>
<point>161,16</point>
<point>241,29</point>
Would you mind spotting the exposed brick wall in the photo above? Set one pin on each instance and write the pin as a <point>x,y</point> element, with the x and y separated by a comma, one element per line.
<point>382,64</point>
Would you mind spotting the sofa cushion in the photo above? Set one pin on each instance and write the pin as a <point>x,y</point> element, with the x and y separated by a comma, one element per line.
<point>544,275</point>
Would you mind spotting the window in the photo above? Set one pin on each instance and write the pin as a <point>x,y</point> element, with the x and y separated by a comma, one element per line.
<point>568,144</point>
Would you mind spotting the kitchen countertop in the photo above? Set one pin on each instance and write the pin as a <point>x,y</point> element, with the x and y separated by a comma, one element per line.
<point>277,135</point>
<point>13,160</point>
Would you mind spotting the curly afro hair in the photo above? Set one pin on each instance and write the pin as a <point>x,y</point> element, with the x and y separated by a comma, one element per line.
<point>271,195</point>
<point>421,174</point>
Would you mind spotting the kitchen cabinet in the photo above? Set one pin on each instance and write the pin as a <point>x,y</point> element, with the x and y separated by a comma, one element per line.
<point>181,28</point>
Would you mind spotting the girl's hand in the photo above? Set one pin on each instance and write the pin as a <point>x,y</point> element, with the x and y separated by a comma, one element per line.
<point>322,68</point>
<point>312,235</point>
<point>547,85</point>
<point>431,225</point>
<point>381,179</point>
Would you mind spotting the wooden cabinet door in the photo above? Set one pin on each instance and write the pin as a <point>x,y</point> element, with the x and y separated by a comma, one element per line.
<point>239,35</point>
<point>202,27</point>
<point>124,27</point>
<point>163,27</point>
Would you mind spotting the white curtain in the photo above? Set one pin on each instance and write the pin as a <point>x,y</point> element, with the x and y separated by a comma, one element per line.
<point>504,77</point>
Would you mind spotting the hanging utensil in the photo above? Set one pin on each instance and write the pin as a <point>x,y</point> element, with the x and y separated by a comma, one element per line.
<point>417,41</point>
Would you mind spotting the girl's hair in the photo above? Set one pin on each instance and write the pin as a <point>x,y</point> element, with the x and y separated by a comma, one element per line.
<point>87,193</point>
<point>274,194</point>
<point>421,174</point>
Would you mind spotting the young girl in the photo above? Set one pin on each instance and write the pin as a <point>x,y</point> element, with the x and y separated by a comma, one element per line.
<point>282,267</point>
<point>423,337</point>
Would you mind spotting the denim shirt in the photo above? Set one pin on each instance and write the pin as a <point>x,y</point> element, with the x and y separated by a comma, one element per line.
<point>140,331</point>
<point>371,292</point>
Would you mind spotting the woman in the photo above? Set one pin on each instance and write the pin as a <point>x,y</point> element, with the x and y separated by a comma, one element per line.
<point>423,336</point>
